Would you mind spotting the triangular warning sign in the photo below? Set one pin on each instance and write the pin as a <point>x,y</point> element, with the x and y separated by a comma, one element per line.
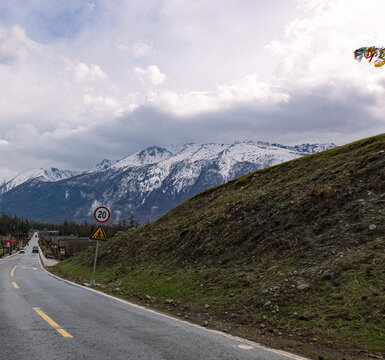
<point>99,234</point>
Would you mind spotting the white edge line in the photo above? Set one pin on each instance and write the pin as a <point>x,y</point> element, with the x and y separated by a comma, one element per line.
<point>217,332</point>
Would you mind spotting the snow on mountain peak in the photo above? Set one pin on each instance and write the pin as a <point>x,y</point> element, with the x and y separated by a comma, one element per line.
<point>239,151</point>
<point>182,164</point>
<point>44,175</point>
<point>151,155</point>
<point>54,174</point>
<point>104,164</point>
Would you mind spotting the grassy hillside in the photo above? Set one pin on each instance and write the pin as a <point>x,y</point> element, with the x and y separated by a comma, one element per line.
<point>292,256</point>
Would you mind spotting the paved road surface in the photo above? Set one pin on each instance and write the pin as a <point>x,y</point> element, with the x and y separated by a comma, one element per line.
<point>42,317</point>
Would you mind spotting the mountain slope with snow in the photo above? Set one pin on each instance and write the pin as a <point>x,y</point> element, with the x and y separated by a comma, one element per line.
<point>148,183</point>
<point>41,175</point>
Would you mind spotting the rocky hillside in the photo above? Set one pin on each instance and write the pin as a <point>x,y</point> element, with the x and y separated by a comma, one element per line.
<point>292,256</point>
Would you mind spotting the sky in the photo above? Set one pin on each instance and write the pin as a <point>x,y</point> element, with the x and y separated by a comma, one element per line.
<point>83,80</point>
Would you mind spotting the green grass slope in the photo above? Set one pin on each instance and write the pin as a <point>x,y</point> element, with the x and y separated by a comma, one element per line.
<point>292,256</point>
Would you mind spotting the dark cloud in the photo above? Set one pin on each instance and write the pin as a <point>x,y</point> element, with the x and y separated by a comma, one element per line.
<point>316,116</point>
<point>311,117</point>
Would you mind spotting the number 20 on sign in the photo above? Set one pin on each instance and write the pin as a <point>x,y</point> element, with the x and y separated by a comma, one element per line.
<point>102,214</point>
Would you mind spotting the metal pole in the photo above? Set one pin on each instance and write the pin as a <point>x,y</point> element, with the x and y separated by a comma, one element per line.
<point>93,271</point>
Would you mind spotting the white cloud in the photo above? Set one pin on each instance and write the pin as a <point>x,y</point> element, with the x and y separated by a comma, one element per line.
<point>84,72</point>
<point>141,49</point>
<point>250,89</point>
<point>4,142</point>
<point>15,46</point>
<point>138,49</point>
<point>100,100</point>
<point>132,107</point>
<point>317,54</point>
<point>319,45</point>
<point>246,91</point>
<point>150,75</point>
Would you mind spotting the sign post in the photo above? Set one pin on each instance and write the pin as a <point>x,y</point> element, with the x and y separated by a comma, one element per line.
<point>62,254</point>
<point>93,270</point>
<point>101,214</point>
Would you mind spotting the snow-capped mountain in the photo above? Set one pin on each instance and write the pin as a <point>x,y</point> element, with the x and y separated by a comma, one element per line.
<point>104,164</point>
<point>148,183</point>
<point>40,175</point>
<point>191,160</point>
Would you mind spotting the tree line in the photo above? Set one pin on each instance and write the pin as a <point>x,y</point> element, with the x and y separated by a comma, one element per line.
<point>13,230</point>
<point>19,229</point>
<point>86,229</point>
<point>14,226</point>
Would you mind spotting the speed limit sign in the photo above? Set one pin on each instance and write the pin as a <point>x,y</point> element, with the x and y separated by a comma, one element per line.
<point>102,214</point>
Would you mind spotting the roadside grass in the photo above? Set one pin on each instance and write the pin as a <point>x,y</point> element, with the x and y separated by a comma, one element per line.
<point>350,306</point>
<point>249,257</point>
<point>348,309</point>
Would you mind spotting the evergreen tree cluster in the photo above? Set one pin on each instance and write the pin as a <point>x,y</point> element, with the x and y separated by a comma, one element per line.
<point>20,229</point>
<point>86,229</point>
<point>13,226</point>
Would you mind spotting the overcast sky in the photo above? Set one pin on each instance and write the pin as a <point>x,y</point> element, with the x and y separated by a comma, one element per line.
<point>81,80</point>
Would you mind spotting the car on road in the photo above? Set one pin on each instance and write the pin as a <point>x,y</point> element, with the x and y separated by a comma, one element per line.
<point>21,250</point>
<point>35,249</point>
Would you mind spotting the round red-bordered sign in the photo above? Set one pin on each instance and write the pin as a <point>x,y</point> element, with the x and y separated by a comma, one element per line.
<point>102,214</point>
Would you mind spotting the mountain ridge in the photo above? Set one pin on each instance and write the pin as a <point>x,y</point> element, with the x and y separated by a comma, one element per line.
<point>39,174</point>
<point>148,183</point>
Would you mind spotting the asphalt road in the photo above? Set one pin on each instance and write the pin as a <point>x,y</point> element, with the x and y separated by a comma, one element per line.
<point>42,317</point>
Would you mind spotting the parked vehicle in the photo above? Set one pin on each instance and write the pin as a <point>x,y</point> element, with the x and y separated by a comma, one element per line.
<point>21,250</point>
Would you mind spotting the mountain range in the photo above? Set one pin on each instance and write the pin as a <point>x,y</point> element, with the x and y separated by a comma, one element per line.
<point>145,184</point>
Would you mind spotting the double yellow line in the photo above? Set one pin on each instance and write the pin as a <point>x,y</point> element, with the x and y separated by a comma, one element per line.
<point>13,282</point>
<point>13,270</point>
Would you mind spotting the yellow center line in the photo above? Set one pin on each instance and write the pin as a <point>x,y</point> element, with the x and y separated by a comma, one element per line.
<point>64,333</point>
<point>13,270</point>
<point>15,285</point>
<point>52,323</point>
